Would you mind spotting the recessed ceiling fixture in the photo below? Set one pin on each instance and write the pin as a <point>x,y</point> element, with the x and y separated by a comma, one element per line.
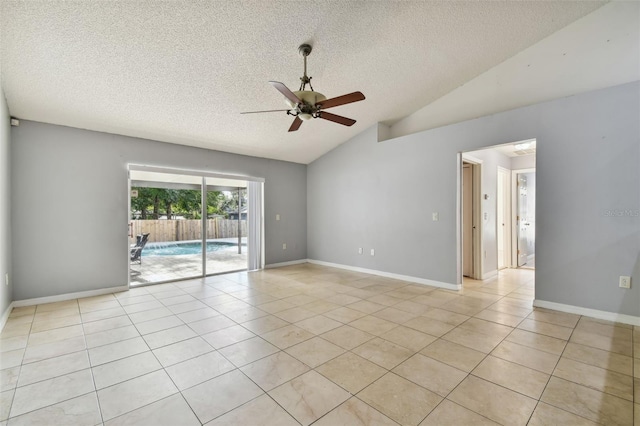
<point>307,104</point>
<point>525,147</point>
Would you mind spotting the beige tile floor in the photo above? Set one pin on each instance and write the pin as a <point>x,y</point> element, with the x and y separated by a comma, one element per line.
<point>315,345</point>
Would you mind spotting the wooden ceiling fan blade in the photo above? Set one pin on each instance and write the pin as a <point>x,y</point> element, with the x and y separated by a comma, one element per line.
<point>295,125</point>
<point>337,118</point>
<point>268,110</point>
<point>280,87</point>
<point>341,100</point>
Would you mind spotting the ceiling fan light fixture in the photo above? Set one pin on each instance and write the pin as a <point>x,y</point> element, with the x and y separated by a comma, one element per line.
<point>522,146</point>
<point>305,116</point>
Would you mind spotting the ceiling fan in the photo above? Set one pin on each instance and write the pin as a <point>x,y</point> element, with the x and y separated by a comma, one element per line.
<point>307,104</point>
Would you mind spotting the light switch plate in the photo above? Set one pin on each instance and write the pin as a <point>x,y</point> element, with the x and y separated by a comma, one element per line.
<point>625,282</point>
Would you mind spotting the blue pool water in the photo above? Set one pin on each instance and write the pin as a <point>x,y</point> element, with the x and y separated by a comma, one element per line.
<point>173,249</point>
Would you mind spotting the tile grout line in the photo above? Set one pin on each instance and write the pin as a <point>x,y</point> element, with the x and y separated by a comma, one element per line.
<point>162,367</point>
<point>15,389</point>
<point>40,381</point>
<point>280,351</point>
<point>416,352</point>
<point>235,369</point>
<point>470,373</point>
<point>551,375</point>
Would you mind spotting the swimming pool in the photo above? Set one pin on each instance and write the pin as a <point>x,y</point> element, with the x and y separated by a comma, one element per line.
<point>177,248</point>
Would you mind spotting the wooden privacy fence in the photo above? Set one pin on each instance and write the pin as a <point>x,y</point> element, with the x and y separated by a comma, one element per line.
<point>181,230</point>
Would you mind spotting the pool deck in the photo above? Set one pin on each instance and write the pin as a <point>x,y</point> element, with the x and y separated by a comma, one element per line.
<point>156,269</point>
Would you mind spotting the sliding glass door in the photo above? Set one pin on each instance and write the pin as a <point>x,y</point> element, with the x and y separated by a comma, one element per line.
<point>186,225</point>
<point>226,225</point>
<point>165,227</point>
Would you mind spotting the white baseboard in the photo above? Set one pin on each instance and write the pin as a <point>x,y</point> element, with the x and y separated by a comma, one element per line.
<point>491,274</point>
<point>68,296</point>
<point>416,280</point>
<point>281,264</point>
<point>5,316</point>
<point>593,313</point>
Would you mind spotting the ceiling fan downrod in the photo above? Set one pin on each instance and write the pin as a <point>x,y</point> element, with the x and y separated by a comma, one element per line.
<point>305,50</point>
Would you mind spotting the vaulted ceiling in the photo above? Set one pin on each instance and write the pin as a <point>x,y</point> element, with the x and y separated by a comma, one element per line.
<point>182,72</point>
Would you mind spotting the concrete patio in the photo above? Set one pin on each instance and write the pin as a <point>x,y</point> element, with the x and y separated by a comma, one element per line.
<point>168,268</point>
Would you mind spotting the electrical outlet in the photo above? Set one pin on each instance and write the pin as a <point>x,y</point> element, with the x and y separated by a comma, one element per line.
<point>625,282</point>
<point>373,252</point>
<point>277,217</point>
<point>6,279</point>
<point>359,250</point>
<point>284,246</point>
<point>434,216</point>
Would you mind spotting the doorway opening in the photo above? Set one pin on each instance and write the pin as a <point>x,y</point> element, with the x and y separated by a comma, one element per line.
<point>496,222</point>
<point>185,224</point>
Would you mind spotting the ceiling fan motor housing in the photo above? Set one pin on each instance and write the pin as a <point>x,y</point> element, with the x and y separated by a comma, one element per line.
<point>308,97</point>
<point>307,109</point>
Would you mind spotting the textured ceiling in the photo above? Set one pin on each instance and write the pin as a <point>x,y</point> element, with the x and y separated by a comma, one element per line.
<point>182,72</point>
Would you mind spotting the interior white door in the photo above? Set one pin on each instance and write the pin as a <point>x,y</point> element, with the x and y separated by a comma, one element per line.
<point>467,220</point>
<point>522,220</point>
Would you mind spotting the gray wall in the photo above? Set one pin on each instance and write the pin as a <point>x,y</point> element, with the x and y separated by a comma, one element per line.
<point>381,195</point>
<point>6,292</point>
<point>69,210</point>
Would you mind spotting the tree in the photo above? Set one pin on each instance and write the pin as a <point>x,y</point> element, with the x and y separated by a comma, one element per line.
<point>184,202</point>
<point>230,203</point>
<point>143,201</point>
<point>189,201</point>
<point>215,200</point>
<point>171,196</point>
